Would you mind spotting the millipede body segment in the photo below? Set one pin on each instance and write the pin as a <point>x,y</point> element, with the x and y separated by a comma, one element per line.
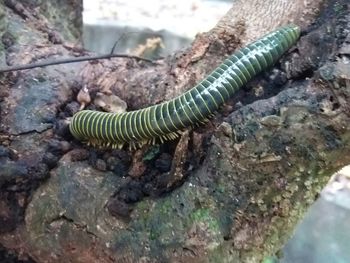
<point>163,121</point>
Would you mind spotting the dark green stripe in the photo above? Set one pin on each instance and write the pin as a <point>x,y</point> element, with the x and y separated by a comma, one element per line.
<point>252,58</point>
<point>271,49</point>
<point>223,91</point>
<point>208,99</point>
<point>172,117</point>
<point>175,114</point>
<point>139,124</point>
<point>181,111</point>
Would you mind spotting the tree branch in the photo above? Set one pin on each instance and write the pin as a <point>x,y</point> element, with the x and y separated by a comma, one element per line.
<point>71,60</point>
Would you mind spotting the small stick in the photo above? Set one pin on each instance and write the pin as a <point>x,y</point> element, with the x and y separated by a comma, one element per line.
<point>71,60</point>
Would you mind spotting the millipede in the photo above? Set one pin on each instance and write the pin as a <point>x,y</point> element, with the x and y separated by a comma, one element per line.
<point>165,120</point>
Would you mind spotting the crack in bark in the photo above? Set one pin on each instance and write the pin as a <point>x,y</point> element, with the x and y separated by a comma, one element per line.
<point>63,217</point>
<point>32,131</point>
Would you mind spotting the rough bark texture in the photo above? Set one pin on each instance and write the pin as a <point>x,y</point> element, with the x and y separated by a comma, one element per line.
<point>235,192</point>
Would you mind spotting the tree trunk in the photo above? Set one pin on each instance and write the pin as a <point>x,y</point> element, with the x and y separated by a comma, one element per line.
<point>232,190</point>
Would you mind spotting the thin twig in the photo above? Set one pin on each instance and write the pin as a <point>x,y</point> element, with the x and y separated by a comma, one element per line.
<point>71,60</point>
<point>125,33</point>
<point>117,41</point>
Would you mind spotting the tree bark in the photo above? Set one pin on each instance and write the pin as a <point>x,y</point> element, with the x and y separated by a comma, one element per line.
<point>248,176</point>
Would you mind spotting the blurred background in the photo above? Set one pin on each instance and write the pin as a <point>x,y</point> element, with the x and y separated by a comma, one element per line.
<point>168,25</point>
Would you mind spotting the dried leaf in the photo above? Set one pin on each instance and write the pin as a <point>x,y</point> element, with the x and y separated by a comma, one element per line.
<point>110,103</point>
<point>83,97</point>
<point>150,45</point>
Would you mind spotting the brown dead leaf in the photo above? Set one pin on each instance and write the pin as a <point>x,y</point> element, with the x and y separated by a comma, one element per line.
<point>83,97</point>
<point>110,103</point>
<point>150,45</point>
